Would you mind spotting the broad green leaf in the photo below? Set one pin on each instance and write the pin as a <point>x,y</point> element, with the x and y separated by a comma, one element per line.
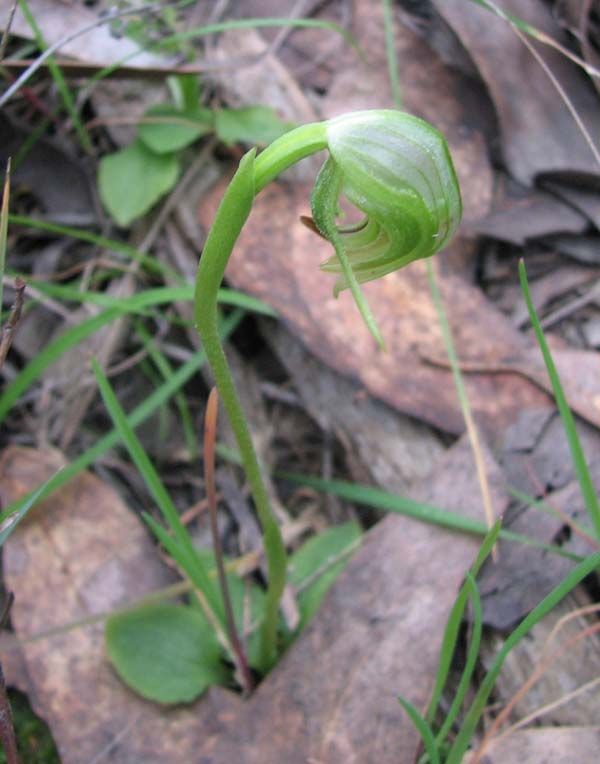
<point>187,87</point>
<point>315,566</point>
<point>165,653</point>
<point>166,129</point>
<point>134,179</point>
<point>252,124</point>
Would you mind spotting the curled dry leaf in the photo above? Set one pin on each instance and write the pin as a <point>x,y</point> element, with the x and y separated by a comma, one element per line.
<point>538,133</point>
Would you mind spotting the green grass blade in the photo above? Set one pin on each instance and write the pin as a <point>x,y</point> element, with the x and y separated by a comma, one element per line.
<point>138,415</point>
<point>26,505</point>
<point>427,513</point>
<point>184,293</point>
<point>49,355</point>
<point>29,142</point>
<point>4,228</point>
<point>59,80</point>
<point>151,264</point>
<point>423,729</point>
<point>548,509</point>
<point>166,371</point>
<point>450,637</point>
<point>461,392</point>
<point>139,455</point>
<point>258,23</point>
<point>506,16</point>
<point>461,743</point>
<point>173,548</point>
<point>76,334</point>
<point>183,548</point>
<point>579,463</point>
<point>470,663</point>
<point>390,49</point>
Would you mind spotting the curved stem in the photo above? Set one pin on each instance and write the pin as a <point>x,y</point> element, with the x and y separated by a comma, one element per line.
<point>251,176</point>
<point>287,150</point>
<point>397,170</point>
<point>230,218</point>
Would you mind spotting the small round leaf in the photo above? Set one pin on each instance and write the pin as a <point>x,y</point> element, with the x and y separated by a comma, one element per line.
<point>166,653</point>
<point>131,181</point>
<point>166,129</point>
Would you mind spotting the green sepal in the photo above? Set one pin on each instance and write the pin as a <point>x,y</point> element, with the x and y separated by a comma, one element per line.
<point>325,207</point>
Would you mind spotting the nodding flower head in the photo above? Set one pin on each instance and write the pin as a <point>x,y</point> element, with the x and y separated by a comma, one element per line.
<point>396,169</point>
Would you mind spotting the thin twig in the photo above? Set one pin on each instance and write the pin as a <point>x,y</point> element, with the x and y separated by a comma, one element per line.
<point>545,39</point>
<point>6,34</point>
<point>8,330</point>
<point>210,436</point>
<point>561,91</point>
<point>7,729</point>
<point>580,612</point>
<point>543,710</point>
<point>536,675</point>
<point>465,405</point>
<point>111,16</point>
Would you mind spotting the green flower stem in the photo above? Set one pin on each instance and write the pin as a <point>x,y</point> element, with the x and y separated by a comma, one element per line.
<point>251,176</point>
<point>397,170</point>
<point>287,150</point>
<point>229,221</point>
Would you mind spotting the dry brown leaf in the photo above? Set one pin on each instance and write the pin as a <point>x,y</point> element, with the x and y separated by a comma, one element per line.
<point>83,552</point>
<point>332,699</point>
<point>538,133</point>
<point>380,444</point>
<point>520,214</point>
<point>582,249</point>
<point>70,202</point>
<point>57,20</point>
<point>514,584</point>
<point>276,259</point>
<point>577,664</point>
<point>548,745</point>
<point>579,372</point>
<point>578,195</point>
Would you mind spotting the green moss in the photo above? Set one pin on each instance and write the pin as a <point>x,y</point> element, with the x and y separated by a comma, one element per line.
<point>34,740</point>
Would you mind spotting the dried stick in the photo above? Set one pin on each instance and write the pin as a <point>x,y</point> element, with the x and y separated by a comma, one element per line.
<point>210,435</point>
